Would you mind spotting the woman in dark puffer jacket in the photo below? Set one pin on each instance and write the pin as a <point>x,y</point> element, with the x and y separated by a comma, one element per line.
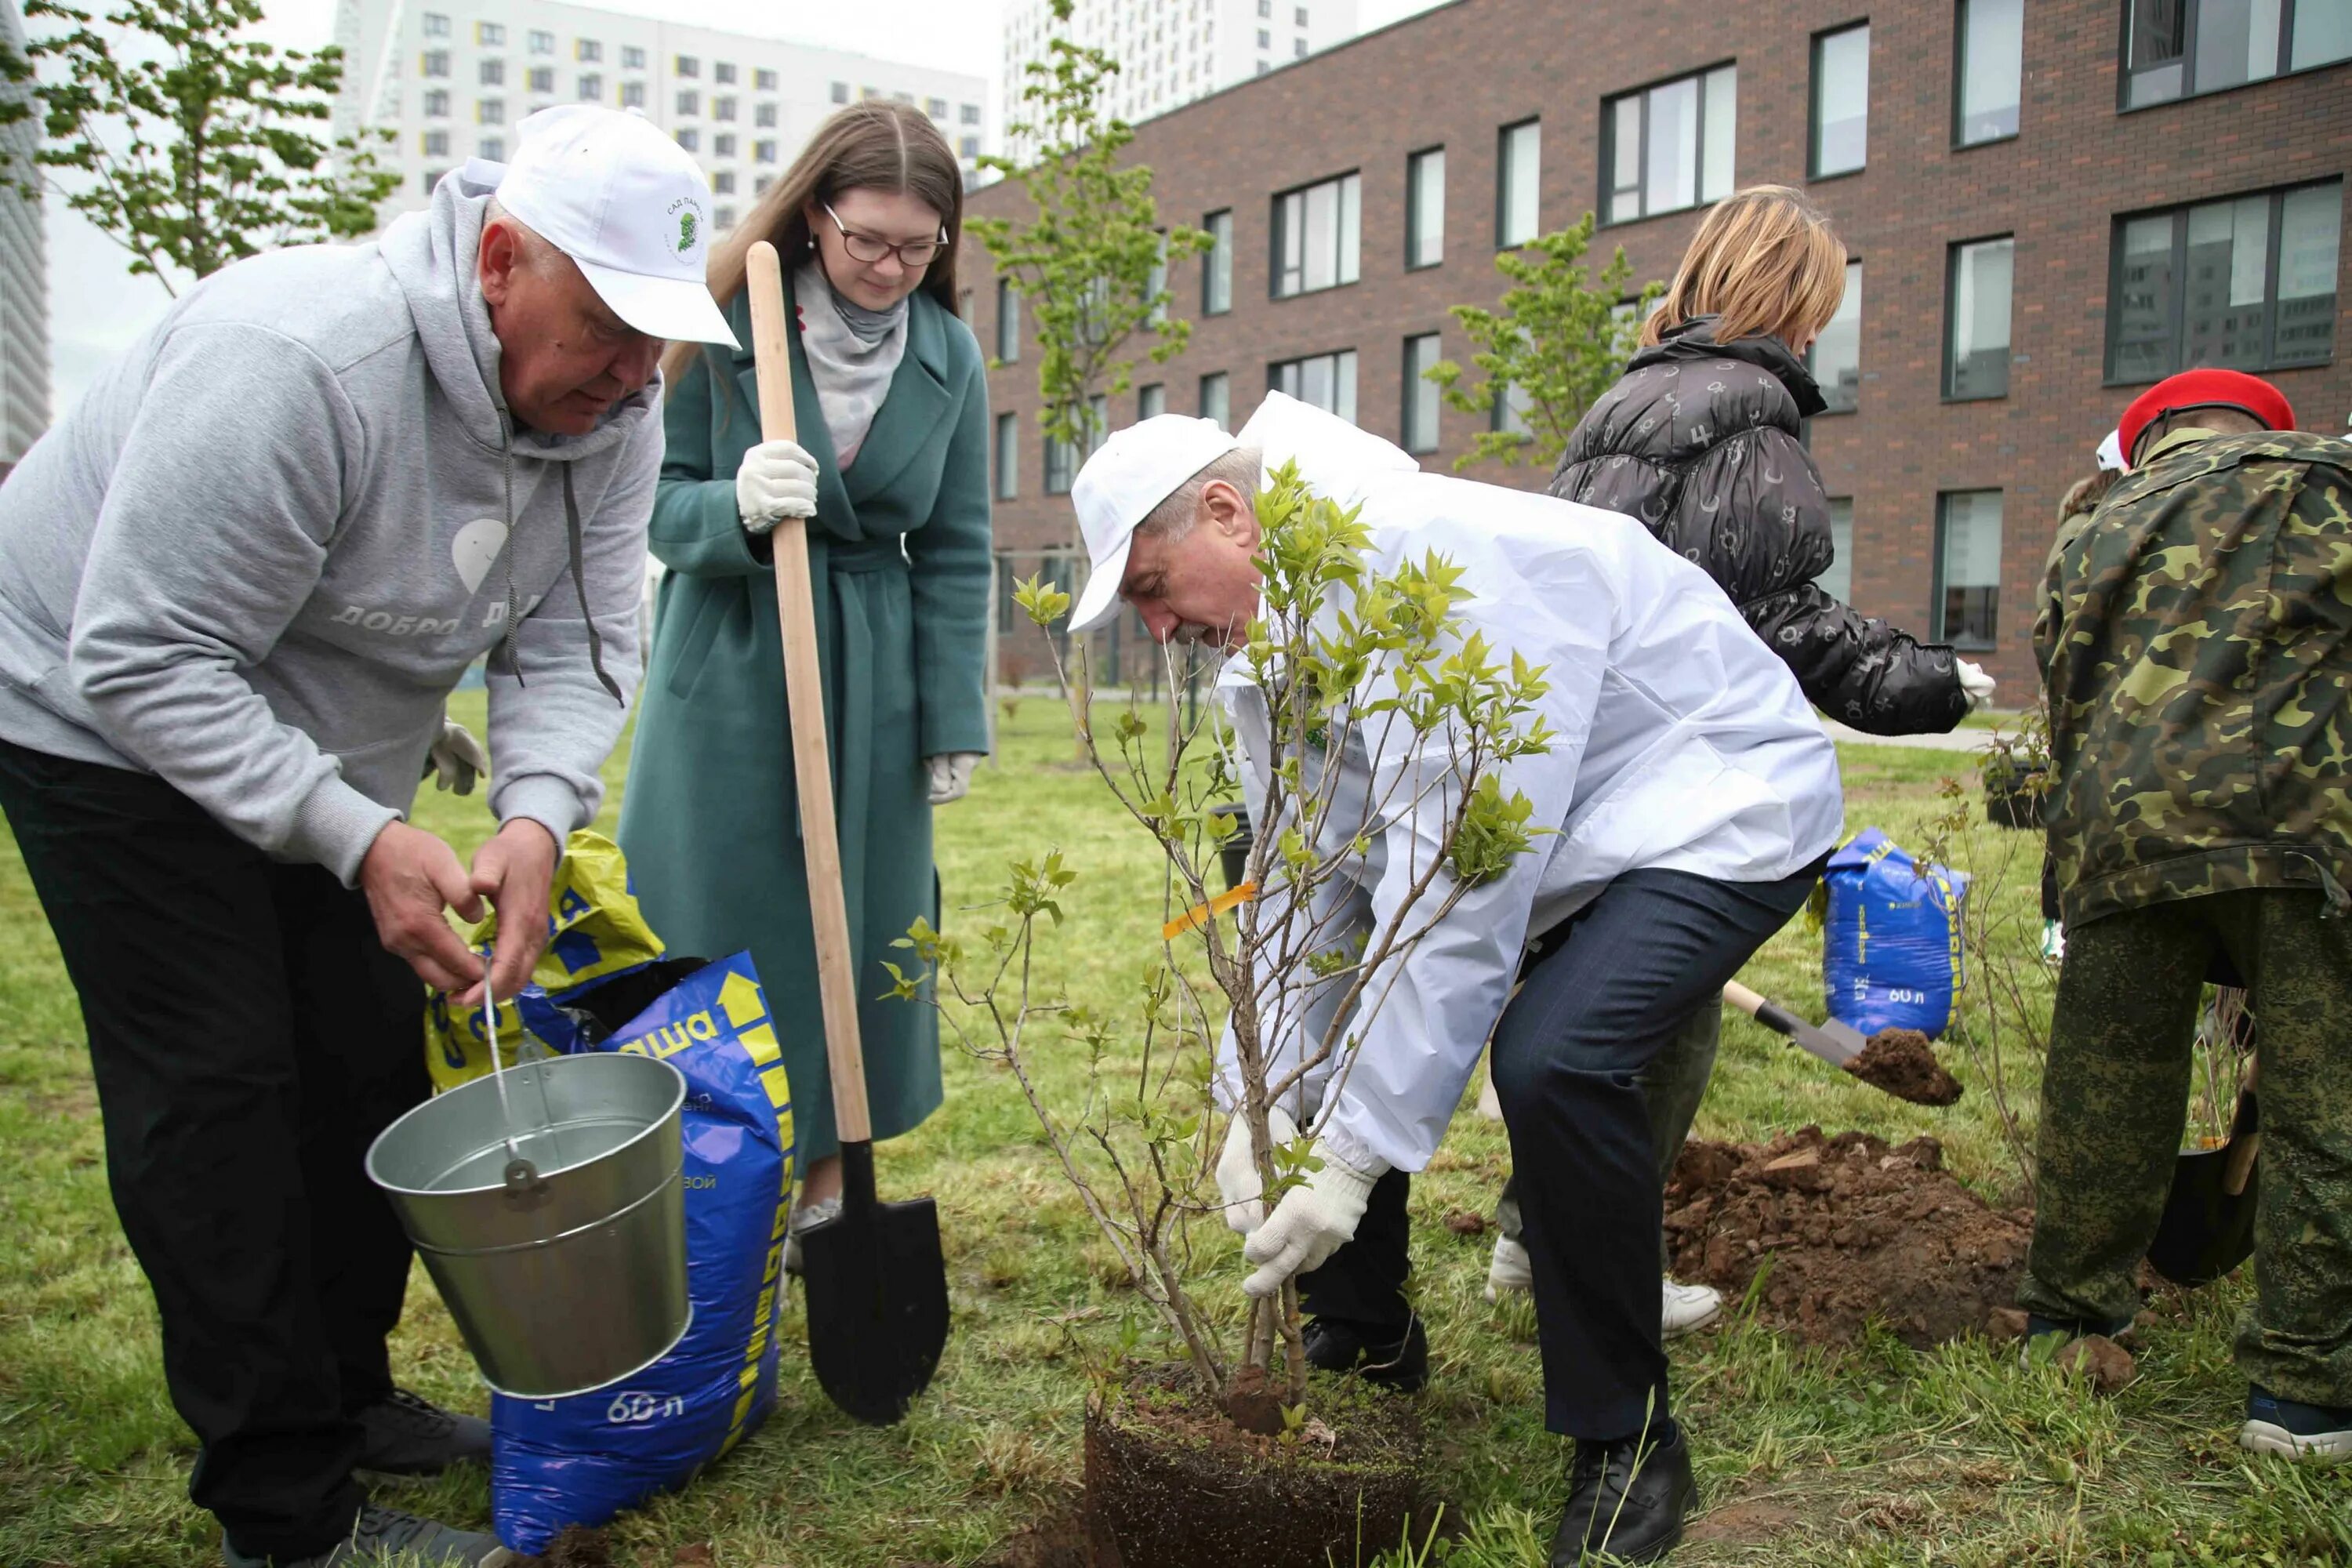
<point>1700,442</point>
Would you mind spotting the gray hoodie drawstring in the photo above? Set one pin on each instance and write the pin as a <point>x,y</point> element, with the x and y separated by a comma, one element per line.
<point>573,549</point>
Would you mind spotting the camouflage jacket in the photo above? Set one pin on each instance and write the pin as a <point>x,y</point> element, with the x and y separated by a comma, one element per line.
<point>2195,642</point>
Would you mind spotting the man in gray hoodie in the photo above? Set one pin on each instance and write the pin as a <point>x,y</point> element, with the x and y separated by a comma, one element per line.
<point>237,584</point>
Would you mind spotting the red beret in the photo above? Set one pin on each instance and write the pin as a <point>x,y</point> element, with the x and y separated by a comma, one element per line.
<point>2205,388</point>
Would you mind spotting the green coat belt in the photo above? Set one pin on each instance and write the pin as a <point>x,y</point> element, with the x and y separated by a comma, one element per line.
<point>898,560</point>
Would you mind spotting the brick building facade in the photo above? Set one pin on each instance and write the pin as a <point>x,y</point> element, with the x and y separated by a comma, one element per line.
<point>2069,128</point>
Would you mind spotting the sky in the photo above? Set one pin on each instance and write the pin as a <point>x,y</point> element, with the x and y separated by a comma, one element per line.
<point>96,309</point>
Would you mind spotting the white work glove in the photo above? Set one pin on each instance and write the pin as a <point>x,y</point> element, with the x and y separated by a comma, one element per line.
<point>457,759</point>
<point>1237,1180</point>
<point>951,774</point>
<point>1975,684</point>
<point>1314,1220</point>
<point>776,479</point>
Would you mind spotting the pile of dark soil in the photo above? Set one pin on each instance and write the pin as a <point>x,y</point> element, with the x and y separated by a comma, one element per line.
<point>578,1548</point>
<point>1900,1062</point>
<point>1172,1483</point>
<point>1850,1229</point>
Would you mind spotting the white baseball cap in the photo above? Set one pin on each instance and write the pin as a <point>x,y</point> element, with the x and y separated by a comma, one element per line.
<point>2110,454</point>
<point>1132,471</point>
<point>629,206</point>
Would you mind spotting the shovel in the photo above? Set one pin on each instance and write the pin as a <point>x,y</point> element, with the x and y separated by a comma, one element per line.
<point>875,1279</point>
<point>2207,1224</point>
<point>1835,1043</point>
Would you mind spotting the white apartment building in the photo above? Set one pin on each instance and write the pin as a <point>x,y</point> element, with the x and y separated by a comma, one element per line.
<point>1172,51</point>
<point>451,80</point>
<point>24,287</point>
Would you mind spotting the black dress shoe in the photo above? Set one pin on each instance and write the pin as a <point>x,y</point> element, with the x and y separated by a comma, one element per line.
<point>1625,1504</point>
<point>1336,1345</point>
<point>407,1436</point>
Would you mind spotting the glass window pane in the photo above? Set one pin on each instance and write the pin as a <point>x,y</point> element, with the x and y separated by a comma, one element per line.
<point>1216,400</point>
<point>1218,274</point>
<point>1842,101</point>
<point>1290,242</point>
<point>2228,267</point>
<point>1350,227</point>
<point>1625,195</point>
<point>1837,352</point>
<point>1151,401</point>
<point>1511,405</point>
<point>1979,345</point>
<point>2237,40</point>
<point>1522,171</point>
<point>1992,64</point>
<point>1673,155</point>
<point>1322,236</point>
<point>2311,224</point>
<point>2144,288</point>
<point>1008,456</point>
<point>2323,32</point>
<point>1722,135</point>
<point>1008,321</point>
<point>1343,384</point>
<point>1426,244</point>
<point>1837,580</point>
<point>1969,557</point>
<point>1420,399</point>
<point>1315,381</point>
<point>2160,35</point>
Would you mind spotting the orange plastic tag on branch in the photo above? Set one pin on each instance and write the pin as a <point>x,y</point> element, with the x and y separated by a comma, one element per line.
<point>1200,915</point>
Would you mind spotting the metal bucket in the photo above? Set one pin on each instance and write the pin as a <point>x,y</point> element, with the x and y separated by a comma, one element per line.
<point>578,1279</point>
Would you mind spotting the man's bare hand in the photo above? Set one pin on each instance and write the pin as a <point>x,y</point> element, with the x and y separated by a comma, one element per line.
<point>514,871</point>
<point>410,877</point>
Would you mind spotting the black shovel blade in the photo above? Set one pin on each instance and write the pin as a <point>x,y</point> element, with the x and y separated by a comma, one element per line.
<point>876,1285</point>
<point>2206,1232</point>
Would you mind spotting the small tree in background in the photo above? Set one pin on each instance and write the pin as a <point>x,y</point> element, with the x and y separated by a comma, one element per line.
<point>198,158</point>
<point>1092,263</point>
<point>1557,341</point>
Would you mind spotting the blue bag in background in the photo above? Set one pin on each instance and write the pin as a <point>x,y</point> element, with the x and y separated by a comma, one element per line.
<point>1891,945</point>
<point>582,1460</point>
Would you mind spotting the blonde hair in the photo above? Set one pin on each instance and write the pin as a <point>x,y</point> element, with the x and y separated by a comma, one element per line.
<point>1765,262</point>
<point>2084,494</point>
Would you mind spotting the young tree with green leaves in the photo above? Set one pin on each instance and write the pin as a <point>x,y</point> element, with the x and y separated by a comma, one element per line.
<point>192,140</point>
<point>1556,343</point>
<point>1091,263</point>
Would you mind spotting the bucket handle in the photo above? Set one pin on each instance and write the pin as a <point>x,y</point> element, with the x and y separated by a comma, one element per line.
<point>522,1176</point>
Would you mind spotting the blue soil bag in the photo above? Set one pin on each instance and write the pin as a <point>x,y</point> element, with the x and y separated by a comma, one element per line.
<point>582,1460</point>
<point>1890,952</point>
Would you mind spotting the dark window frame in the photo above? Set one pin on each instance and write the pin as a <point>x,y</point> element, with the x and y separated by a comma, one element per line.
<point>1813,174</point>
<point>1960,82</point>
<point>1200,397</point>
<point>2192,12</point>
<point>2176,325</point>
<point>1277,233</point>
<point>1008,321</point>
<point>1951,286</point>
<point>1608,140</point>
<point>1406,434</point>
<point>1852,263</point>
<point>1503,134</point>
<point>1937,630</point>
<point>1412,207</point>
<point>1209,307</point>
<point>1275,368</point>
<point>1007,480</point>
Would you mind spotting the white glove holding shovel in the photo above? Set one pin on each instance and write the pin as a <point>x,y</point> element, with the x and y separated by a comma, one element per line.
<point>775,479</point>
<point>1313,1221</point>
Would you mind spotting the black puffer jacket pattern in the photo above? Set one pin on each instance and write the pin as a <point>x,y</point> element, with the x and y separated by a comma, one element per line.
<point>1699,441</point>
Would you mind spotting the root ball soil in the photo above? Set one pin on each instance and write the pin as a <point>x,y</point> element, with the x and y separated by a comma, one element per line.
<point>1900,1062</point>
<point>1850,1229</point>
<point>1170,1482</point>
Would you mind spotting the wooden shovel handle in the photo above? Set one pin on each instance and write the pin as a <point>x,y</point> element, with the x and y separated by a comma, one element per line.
<point>804,694</point>
<point>1739,996</point>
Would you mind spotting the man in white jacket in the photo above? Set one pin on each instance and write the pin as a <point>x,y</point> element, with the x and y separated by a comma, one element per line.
<point>237,584</point>
<point>1694,798</point>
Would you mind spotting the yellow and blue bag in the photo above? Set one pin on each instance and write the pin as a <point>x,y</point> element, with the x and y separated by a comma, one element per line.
<point>1891,949</point>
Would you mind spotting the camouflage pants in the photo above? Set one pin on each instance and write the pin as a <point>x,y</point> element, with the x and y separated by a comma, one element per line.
<point>2114,1107</point>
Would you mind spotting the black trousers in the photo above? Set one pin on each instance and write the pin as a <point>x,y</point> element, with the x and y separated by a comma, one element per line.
<point>1599,1002</point>
<point>249,1037</point>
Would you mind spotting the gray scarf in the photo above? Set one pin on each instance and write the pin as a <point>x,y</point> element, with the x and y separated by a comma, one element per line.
<point>853,354</point>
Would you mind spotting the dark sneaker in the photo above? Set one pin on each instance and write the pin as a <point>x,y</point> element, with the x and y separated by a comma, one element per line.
<point>2045,1337</point>
<point>385,1538</point>
<point>2319,1433</point>
<point>1399,1364</point>
<point>1626,1503</point>
<point>407,1436</point>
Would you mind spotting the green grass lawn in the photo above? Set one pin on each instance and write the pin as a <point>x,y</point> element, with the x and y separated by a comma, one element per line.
<point>1876,1455</point>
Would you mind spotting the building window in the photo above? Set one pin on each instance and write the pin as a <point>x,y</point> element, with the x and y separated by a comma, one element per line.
<point>588,52</point>
<point>1841,100</point>
<point>437,144</point>
<point>1151,401</point>
<point>490,35</point>
<point>968,114</point>
<point>435,63</point>
<point>1317,236</point>
<point>1217,266</point>
<point>1060,460</point>
<point>1264,40</point>
<point>689,101</point>
<point>723,144</point>
<point>632,95</point>
<point>723,183</point>
<point>1008,456</point>
<point>1976,341</point>
<point>1217,400</point>
<point>493,148</point>
<point>1302,16</point>
<point>723,73</point>
<point>430,178</point>
<point>2178,47</point>
<point>723,107</point>
<point>1518,169</point>
<point>1509,416</point>
<point>543,43</point>
<point>1327,381</point>
<point>937,108</point>
<point>436,103</point>
<point>542,78</point>
<point>690,138</point>
<point>763,80</point>
<point>1008,321</point>
<point>968,147</point>
<point>1967,569</point>
<point>763,152</point>
<point>490,112</point>
<point>841,92</point>
<point>1835,358</point>
<point>684,65</point>
<point>1266,9</point>
<point>436,26</point>
<point>763,114</point>
<point>2248,283</point>
<point>760,186</point>
<point>723,215</point>
<point>1156,284</point>
<point>1991,71</point>
<point>1424,209</point>
<point>1837,578</point>
<point>633,59</point>
<point>1669,146</point>
<point>1299,49</point>
<point>493,72</point>
<point>964,310</point>
<point>592,88</point>
<point>1419,400</point>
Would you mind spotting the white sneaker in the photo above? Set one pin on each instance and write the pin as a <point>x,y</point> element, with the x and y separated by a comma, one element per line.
<point>1509,1269</point>
<point>1688,1309</point>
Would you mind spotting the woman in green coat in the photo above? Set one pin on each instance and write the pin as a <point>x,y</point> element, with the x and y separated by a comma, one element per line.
<point>891,466</point>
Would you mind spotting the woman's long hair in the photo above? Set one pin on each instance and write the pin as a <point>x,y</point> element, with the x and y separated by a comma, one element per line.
<point>875,145</point>
<point>1766,261</point>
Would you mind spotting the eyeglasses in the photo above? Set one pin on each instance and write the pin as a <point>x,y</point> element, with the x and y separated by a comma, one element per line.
<point>914,256</point>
